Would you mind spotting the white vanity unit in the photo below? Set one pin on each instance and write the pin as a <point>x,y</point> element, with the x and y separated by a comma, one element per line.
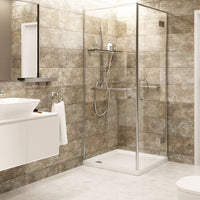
<point>27,138</point>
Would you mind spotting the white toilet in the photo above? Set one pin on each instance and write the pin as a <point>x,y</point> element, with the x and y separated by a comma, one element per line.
<point>189,188</point>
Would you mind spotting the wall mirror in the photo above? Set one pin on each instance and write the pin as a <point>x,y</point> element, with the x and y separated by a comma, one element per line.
<point>19,40</point>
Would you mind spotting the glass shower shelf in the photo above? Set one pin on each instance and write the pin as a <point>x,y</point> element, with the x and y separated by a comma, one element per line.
<point>104,51</point>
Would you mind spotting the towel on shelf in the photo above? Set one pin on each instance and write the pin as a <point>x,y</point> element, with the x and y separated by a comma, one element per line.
<point>59,108</point>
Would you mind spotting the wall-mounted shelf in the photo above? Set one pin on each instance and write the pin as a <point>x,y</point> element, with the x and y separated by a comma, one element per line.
<point>104,51</point>
<point>40,81</point>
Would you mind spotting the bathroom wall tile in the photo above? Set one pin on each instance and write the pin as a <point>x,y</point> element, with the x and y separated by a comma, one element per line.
<point>155,125</point>
<point>181,128</point>
<point>16,62</point>
<point>92,25</point>
<point>121,28</point>
<point>40,93</point>
<point>131,77</point>
<point>152,59</point>
<point>74,113</point>
<point>197,4</point>
<point>112,27</point>
<point>96,126</point>
<point>92,40</point>
<point>44,173</point>
<point>152,27</point>
<point>120,60</point>
<point>179,110</point>
<point>95,143</point>
<point>131,60</point>
<point>72,94</point>
<point>122,44</point>
<point>179,7</point>
<point>92,75</point>
<point>71,151</point>
<point>48,17</point>
<point>131,44</point>
<point>153,93</point>
<point>181,76</point>
<point>11,89</point>
<point>47,3</point>
<point>60,58</point>
<point>49,57</point>
<point>70,21</point>
<point>152,75</point>
<point>181,41</point>
<point>75,131</point>
<point>112,123</point>
<point>101,95</point>
<point>69,164</point>
<point>19,182</point>
<point>112,139</point>
<point>152,43</point>
<point>181,58</point>
<point>154,109</point>
<point>181,145</point>
<point>154,142</point>
<point>181,93</point>
<point>6,186</point>
<point>181,24</point>
<point>40,165</point>
<point>60,38</point>
<point>75,6</point>
<point>118,75</point>
<point>93,59</point>
<point>11,173</point>
<point>181,158</point>
<point>70,76</point>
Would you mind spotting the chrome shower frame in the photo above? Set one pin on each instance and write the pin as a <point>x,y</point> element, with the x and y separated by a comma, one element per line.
<point>137,86</point>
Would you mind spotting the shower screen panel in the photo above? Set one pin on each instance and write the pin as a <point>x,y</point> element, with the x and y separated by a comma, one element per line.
<point>152,90</point>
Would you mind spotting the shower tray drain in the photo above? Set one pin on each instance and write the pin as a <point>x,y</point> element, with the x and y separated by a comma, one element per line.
<point>99,162</point>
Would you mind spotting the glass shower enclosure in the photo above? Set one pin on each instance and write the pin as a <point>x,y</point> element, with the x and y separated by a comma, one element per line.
<point>125,74</point>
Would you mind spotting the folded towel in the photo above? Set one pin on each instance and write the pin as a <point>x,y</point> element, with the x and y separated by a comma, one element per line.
<point>59,108</point>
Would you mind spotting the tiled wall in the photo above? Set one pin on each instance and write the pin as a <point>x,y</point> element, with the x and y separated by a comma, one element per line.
<point>101,133</point>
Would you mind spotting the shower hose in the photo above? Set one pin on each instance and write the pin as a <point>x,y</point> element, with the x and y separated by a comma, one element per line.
<point>107,89</point>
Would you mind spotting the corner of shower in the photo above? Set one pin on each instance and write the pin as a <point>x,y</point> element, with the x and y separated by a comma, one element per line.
<point>125,76</point>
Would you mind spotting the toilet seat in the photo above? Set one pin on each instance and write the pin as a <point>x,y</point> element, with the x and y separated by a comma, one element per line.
<point>189,184</point>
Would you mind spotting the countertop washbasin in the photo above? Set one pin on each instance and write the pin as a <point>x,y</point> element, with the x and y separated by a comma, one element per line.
<point>17,106</point>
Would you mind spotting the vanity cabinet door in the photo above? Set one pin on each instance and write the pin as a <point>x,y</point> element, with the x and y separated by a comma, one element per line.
<point>43,138</point>
<point>13,145</point>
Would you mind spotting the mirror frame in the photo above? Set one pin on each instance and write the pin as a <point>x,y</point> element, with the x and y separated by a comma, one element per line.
<point>38,41</point>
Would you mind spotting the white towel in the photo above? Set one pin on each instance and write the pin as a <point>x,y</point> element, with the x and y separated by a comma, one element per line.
<point>59,108</point>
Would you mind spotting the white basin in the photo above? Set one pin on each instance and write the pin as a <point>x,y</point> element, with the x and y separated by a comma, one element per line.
<point>10,107</point>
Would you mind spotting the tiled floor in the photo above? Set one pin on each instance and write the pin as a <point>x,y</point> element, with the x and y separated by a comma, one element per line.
<point>87,183</point>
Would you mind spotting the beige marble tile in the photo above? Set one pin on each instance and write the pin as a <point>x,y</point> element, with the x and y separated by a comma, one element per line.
<point>181,76</point>
<point>180,42</point>
<point>70,21</point>
<point>179,110</point>
<point>181,93</point>
<point>48,17</point>
<point>181,128</point>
